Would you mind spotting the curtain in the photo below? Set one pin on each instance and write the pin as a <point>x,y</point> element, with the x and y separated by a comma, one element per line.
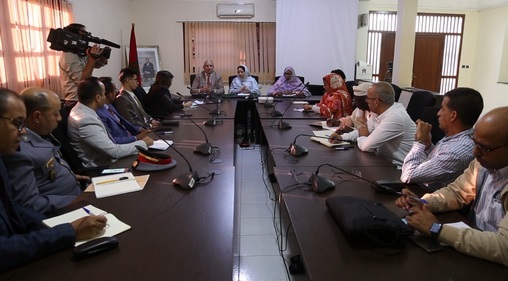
<point>229,44</point>
<point>25,57</point>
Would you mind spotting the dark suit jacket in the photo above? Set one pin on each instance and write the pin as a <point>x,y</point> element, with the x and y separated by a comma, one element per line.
<point>19,246</point>
<point>115,128</point>
<point>124,103</point>
<point>159,103</point>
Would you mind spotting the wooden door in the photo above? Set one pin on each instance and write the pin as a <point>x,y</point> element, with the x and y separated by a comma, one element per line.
<point>428,61</point>
<point>386,54</point>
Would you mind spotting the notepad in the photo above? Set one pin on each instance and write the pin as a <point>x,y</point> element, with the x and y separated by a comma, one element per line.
<point>160,145</point>
<point>115,184</point>
<point>323,138</point>
<point>114,225</point>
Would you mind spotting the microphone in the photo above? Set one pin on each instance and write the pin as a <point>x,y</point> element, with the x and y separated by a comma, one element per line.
<point>212,121</point>
<point>271,104</point>
<point>298,150</point>
<point>321,184</point>
<point>204,148</point>
<point>284,125</point>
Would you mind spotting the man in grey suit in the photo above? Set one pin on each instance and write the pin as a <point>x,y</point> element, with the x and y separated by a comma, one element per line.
<point>88,135</point>
<point>128,105</point>
<point>41,179</point>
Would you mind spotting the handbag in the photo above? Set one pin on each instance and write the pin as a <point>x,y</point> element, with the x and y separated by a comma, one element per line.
<point>366,221</point>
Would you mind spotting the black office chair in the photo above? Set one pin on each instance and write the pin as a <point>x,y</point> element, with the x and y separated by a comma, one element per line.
<point>316,90</point>
<point>418,102</point>
<point>429,115</point>
<point>397,91</point>
<point>192,77</point>
<point>233,77</point>
<point>300,77</point>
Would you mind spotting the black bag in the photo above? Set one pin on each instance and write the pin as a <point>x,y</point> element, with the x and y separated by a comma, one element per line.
<point>364,220</point>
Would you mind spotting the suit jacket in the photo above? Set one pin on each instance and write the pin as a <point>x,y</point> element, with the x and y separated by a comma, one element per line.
<point>41,179</point>
<point>91,141</point>
<point>200,81</point>
<point>115,128</point>
<point>124,103</point>
<point>159,103</point>
<point>31,240</point>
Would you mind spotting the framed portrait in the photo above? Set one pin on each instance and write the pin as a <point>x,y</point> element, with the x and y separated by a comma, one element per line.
<point>149,63</point>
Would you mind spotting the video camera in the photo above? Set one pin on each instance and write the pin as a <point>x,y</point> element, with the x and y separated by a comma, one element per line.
<point>63,40</point>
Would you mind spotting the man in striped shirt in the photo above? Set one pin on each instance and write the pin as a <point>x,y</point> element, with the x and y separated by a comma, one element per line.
<point>437,165</point>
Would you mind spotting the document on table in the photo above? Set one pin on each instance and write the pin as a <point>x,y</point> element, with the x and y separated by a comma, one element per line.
<point>160,145</point>
<point>322,138</point>
<point>115,184</point>
<point>114,226</point>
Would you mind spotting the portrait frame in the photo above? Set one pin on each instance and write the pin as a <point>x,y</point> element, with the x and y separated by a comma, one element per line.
<point>152,54</point>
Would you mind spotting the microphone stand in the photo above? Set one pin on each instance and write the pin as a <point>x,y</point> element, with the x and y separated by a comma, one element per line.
<point>284,125</point>
<point>298,150</point>
<point>204,148</point>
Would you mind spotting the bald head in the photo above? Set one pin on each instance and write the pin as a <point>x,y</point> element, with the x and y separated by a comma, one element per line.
<point>42,109</point>
<point>491,140</point>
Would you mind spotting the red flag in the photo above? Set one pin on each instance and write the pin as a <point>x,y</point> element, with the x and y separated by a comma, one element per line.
<point>133,54</point>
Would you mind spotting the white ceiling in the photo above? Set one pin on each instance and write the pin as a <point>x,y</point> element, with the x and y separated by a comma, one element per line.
<point>447,4</point>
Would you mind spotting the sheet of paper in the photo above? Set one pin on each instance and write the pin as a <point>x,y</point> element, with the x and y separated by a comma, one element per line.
<point>160,144</point>
<point>322,137</point>
<point>115,184</point>
<point>140,179</point>
<point>459,224</point>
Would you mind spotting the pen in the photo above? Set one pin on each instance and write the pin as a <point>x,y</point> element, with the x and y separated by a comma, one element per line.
<point>166,133</point>
<point>113,180</point>
<point>88,211</point>
<point>343,148</point>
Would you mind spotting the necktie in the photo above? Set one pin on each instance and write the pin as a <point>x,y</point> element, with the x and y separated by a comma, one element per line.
<point>117,119</point>
<point>208,81</point>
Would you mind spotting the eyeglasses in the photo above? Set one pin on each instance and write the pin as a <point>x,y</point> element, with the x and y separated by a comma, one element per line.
<point>367,98</point>
<point>20,124</point>
<point>484,149</point>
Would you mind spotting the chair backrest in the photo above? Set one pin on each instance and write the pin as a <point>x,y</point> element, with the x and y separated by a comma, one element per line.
<point>397,90</point>
<point>418,102</point>
<point>429,115</point>
<point>60,133</point>
<point>300,77</point>
<point>192,77</point>
<point>233,77</point>
<point>316,90</point>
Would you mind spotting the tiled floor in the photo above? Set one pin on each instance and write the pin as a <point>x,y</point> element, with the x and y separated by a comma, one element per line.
<point>256,251</point>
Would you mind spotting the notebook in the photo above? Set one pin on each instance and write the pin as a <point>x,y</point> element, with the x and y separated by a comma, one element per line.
<point>115,184</point>
<point>114,226</point>
<point>322,138</point>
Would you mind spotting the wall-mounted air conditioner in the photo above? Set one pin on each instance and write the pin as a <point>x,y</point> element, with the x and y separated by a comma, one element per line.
<point>226,10</point>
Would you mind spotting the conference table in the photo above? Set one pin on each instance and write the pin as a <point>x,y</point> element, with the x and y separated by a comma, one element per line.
<point>188,234</point>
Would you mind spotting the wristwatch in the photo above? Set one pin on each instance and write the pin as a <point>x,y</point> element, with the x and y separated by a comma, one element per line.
<point>435,229</point>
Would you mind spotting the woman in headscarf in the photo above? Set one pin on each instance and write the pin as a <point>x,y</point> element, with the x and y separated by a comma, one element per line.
<point>158,102</point>
<point>288,84</point>
<point>336,102</point>
<point>244,83</point>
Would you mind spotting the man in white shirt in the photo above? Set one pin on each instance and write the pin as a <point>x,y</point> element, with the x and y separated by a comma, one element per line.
<point>128,105</point>
<point>439,165</point>
<point>394,131</point>
<point>88,135</point>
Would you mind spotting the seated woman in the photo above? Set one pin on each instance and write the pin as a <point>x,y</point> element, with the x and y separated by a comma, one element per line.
<point>158,101</point>
<point>289,84</point>
<point>362,116</point>
<point>244,83</point>
<point>336,102</point>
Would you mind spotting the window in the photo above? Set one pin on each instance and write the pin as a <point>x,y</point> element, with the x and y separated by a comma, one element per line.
<point>229,44</point>
<point>25,57</point>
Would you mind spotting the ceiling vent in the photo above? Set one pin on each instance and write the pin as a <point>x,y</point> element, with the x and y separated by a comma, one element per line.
<point>237,11</point>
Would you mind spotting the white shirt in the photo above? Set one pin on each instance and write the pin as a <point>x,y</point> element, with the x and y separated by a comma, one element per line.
<point>357,113</point>
<point>393,136</point>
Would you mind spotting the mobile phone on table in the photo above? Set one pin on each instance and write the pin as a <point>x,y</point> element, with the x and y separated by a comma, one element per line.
<point>428,244</point>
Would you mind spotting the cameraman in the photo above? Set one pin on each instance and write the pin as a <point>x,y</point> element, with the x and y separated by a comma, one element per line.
<point>75,68</point>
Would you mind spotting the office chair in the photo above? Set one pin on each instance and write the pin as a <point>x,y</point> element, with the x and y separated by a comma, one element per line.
<point>316,90</point>
<point>192,77</point>
<point>418,102</point>
<point>429,115</point>
<point>300,77</point>
<point>397,91</point>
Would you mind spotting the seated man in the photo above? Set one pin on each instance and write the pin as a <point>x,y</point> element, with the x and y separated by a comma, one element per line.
<point>23,237</point>
<point>41,179</point>
<point>208,82</point>
<point>437,166</point>
<point>120,129</point>
<point>127,103</point>
<point>88,135</point>
<point>484,185</point>
<point>394,131</point>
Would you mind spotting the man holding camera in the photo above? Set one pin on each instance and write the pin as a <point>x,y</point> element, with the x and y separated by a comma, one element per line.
<point>74,67</point>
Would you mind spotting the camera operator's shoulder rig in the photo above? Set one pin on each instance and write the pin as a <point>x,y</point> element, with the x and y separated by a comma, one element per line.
<point>67,41</point>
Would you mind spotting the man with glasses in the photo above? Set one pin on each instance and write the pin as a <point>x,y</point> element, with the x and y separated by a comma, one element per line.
<point>88,135</point>
<point>23,237</point>
<point>394,131</point>
<point>128,104</point>
<point>437,166</point>
<point>483,186</point>
<point>208,82</point>
<point>41,179</point>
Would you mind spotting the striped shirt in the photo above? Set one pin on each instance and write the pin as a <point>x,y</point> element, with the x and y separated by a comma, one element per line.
<point>489,209</point>
<point>440,164</point>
